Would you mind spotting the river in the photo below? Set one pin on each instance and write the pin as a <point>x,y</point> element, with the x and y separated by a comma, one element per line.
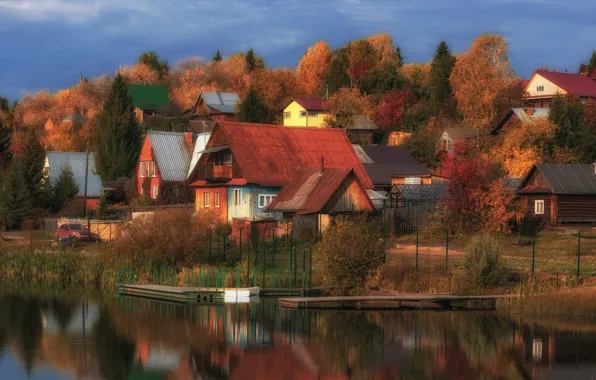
<point>66,337</point>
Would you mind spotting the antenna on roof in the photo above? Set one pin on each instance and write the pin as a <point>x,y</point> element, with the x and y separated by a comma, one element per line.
<point>220,98</point>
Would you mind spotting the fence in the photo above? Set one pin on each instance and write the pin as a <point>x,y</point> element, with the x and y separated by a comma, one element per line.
<point>106,230</point>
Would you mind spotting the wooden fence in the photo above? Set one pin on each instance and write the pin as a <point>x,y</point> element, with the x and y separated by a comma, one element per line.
<point>106,230</point>
<point>404,220</point>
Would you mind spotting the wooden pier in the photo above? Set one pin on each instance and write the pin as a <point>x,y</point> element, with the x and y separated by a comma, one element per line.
<point>417,301</point>
<point>187,294</point>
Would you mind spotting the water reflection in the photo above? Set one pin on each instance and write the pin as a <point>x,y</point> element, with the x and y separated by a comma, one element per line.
<point>141,339</point>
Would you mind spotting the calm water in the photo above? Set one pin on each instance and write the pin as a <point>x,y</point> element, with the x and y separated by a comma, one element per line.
<point>139,339</point>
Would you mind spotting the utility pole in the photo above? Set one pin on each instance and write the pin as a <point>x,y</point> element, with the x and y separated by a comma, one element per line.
<point>85,194</point>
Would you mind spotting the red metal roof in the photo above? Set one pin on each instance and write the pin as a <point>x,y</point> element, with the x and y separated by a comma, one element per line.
<point>575,84</point>
<point>313,104</point>
<point>269,155</point>
<point>309,190</point>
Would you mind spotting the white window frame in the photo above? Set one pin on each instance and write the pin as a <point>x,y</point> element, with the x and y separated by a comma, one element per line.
<point>413,181</point>
<point>539,207</point>
<point>237,197</point>
<point>303,113</point>
<point>287,115</point>
<point>265,200</point>
<point>216,199</point>
<point>539,88</point>
<point>153,169</point>
<point>155,191</point>
<point>143,174</point>
<point>206,199</point>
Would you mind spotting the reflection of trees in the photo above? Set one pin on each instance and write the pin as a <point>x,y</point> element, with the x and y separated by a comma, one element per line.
<point>418,367</point>
<point>63,312</point>
<point>115,354</point>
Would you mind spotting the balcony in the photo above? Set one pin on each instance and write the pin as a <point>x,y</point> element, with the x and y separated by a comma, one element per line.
<point>218,172</point>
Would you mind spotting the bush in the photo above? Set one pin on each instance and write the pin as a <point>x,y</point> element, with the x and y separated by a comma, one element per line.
<point>482,261</point>
<point>350,248</point>
<point>170,238</point>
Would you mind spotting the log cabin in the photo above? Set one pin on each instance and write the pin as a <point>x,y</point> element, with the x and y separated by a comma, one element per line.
<point>559,194</point>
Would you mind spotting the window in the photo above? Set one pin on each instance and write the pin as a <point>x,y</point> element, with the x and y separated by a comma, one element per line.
<point>147,169</point>
<point>153,170</point>
<point>206,199</point>
<point>537,349</point>
<point>287,115</point>
<point>143,174</point>
<point>237,197</point>
<point>302,113</point>
<point>538,207</point>
<point>540,88</point>
<point>216,199</point>
<point>313,113</point>
<point>155,191</point>
<point>265,199</point>
<point>413,181</point>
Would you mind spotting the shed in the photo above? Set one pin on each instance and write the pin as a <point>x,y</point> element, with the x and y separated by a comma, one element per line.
<point>149,100</point>
<point>453,136</point>
<point>556,194</point>
<point>361,129</point>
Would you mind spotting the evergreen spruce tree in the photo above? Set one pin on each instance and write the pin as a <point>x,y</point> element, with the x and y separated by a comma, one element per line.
<point>382,79</point>
<point>217,57</point>
<point>252,109</point>
<point>5,153</point>
<point>400,58</point>
<point>4,105</point>
<point>151,59</point>
<point>15,202</point>
<point>65,189</point>
<point>557,110</point>
<point>31,165</point>
<point>251,61</point>
<point>439,86</point>
<point>118,134</point>
<point>593,60</point>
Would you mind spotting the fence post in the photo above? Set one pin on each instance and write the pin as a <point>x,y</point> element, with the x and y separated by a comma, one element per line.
<point>310,274</point>
<point>240,243</point>
<point>210,232</point>
<point>224,248</point>
<point>264,245</point>
<point>578,252</point>
<point>533,251</point>
<point>446,250</point>
<point>417,230</point>
<point>248,269</point>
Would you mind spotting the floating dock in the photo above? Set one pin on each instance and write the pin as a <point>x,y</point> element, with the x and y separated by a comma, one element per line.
<point>418,301</point>
<point>188,294</point>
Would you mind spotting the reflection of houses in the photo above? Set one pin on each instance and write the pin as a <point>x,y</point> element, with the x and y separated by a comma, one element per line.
<point>557,194</point>
<point>56,162</point>
<point>215,106</point>
<point>245,165</point>
<point>149,100</point>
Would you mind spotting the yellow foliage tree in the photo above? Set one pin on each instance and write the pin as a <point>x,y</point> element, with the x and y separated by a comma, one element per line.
<point>140,74</point>
<point>346,103</point>
<point>479,78</point>
<point>417,73</point>
<point>383,45</point>
<point>313,68</point>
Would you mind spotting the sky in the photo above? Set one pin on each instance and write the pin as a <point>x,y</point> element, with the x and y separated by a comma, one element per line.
<point>47,43</point>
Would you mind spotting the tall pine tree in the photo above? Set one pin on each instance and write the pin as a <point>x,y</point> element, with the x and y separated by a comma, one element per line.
<point>31,165</point>
<point>251,61</point>
<point>151,59</point>
<point>252,109</point>
<point>15,202</point>
<point>5,152</point>
<point>593,60</point>
<point>65,189</point>
<point>440,71</point>
<point>118,134</point>
<point>400,58</point>
<point>217,57</point>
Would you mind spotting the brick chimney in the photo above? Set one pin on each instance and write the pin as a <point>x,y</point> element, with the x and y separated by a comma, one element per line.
<point>189,140</point>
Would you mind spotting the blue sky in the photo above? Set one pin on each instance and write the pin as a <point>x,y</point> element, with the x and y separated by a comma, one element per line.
<point>47,42</point>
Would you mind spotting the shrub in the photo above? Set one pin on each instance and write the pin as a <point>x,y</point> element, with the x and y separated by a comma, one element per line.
<point>171,237</point>
<point>350,248</point>
<point>482,261</point>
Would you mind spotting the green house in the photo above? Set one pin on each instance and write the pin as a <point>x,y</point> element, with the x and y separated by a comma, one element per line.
<point>149,100</point>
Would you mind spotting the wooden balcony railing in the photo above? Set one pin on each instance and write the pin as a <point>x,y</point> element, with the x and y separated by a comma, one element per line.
<point>218,172</point>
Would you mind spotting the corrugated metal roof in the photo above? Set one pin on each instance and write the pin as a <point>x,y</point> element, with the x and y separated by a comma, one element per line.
<point>56,161</point>
<point>269,155</point>
<point>224,102</point>
<point>383,162</point>
<point>200,144</point>
<point>575,84</point>
<point>512,183</point>
<point>171,153</point>
<point>313,104</point>
<point>536,113</point>
<point>434,192</point>
<point>362,122</point>
<point>569,178</point>
<point>146,96</point>
<point>309,190</point>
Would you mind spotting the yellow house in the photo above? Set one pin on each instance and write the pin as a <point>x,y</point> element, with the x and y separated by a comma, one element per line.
<point>306,112</point>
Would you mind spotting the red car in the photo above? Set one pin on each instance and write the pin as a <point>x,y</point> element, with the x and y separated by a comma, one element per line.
<point>74,229</point>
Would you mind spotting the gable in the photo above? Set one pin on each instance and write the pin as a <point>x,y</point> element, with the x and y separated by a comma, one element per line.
<point>535,182</point>
<point>294,107</point>
<point>538,80</point>
<point>350,196</point>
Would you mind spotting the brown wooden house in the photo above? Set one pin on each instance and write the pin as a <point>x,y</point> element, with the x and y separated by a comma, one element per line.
<point>556,194</point>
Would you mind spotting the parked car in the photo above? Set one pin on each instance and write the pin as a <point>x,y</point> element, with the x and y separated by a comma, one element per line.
<point>76,230</point>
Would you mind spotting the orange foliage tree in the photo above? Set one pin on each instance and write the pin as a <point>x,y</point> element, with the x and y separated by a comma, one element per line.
<point>140,73</point>
<point>480,77</point>
<point>383,45</point>
<point>313,68</point>
<point>277,88</point>
<point>346,103</point>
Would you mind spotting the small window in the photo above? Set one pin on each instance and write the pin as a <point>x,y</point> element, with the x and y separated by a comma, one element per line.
<point>237,197</point>
<point>537,349</point>
<point>313,113</point>
<point>302,113</point>
<point>413,181</point>
<point>540,88</point>
<point>153,169</point>
<point>216,199</point>
<point>287,115</point>
<point>155,191</point>
<point>265,199</point>
<point>206,200</point>
<point>142,168</point>
<point>539,207</point>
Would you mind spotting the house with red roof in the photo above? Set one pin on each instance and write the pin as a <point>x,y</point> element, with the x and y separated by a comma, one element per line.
<point>246,165</point>
<point>306,112</point>
<point>544,85</point>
